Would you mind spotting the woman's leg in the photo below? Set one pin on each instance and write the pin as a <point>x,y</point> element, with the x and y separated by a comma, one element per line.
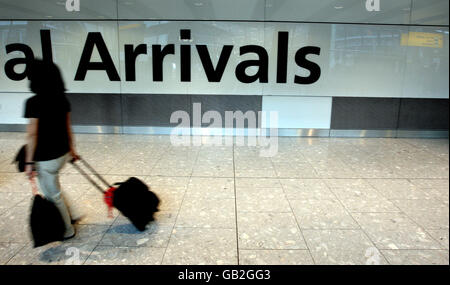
<point>49,183</point>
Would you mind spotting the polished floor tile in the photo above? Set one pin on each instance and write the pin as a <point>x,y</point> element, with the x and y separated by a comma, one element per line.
<point>441,236</point>
<point>298,171</point>
<point>14,225</point>
<point>416,257</point>
<point>174,181</point>
<point>437,188</point>
<point>398,189</point>
<point>300,189</point>
<point>370,205</point>
<point>14,182</point>
<point>269,231</point>
<point>359,198</point>
<point>431,183</point>
<point>214,187</point>
<point>8,251</point>
<point>261,200</point>
<point>9,200</point>
<point>258,182</point>
<point>217,169</point>
<point>186,172</point>
<point>108,255</point>
<point>53,254</point>
<point>170,197</point>
<point>202,246</point>
<point>123,234</point>
<point>344,247</point>
<point>322,214</point>
<point>207,213</point>
<point>394,231</point>
<point>89,233</point>
<point>275,257</point>
<point>430,213</point>
<point>93,210</point>
<point>316,201</point>
<point>268,172</point>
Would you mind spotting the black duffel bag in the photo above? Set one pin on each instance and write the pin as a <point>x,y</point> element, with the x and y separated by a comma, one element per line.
<point>46,222</point>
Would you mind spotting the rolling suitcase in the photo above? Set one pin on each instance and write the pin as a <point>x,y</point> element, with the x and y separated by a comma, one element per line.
<point>131,197</point>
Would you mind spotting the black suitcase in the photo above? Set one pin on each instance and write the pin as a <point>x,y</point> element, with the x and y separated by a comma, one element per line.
<point>136,202</point>
<point>132,198</point>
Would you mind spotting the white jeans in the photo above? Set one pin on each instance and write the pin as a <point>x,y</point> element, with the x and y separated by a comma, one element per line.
<point>51,189</point>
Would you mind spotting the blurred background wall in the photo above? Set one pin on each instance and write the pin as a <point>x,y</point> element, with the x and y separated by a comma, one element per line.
<point>383,73</point>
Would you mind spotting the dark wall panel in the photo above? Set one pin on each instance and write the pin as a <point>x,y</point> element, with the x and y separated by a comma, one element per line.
<point>350,113</point>
<point>152,110</point>
<point>222,103</point>
<point>347,113</point>
<point>95,109</point>
<point>425,114</point>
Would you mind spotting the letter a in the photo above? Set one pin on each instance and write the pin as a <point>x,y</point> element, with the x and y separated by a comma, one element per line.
<point>73,5</point>
<point>372,5</point>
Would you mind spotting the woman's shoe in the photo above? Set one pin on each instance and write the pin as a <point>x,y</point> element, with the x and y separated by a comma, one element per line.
<point>69,237</point>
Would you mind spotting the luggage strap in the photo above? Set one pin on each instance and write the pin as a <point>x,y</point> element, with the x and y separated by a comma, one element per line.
<point>84,173</point>
<point>95,172</point>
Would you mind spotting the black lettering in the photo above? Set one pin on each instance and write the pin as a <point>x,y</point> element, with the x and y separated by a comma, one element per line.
<point>185,35</point>
<point>261,63</point>
<point>10,64</point>
<point>214,74</point>
<point>282,57</point>
<point>158,59</point>
<point>185,63</point>
<point>46,45</point>
<point>314,69</point>
<point>95,39</point>
<point>130,60</point>
<point>185,56</point>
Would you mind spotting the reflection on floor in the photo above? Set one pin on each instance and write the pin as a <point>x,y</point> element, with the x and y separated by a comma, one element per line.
<point>318,201</point>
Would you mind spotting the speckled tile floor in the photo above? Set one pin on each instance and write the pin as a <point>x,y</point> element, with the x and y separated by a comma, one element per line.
<point>318,201</point>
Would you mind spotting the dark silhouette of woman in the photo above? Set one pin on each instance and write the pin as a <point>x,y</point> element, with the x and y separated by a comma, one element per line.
<point>49,134</point>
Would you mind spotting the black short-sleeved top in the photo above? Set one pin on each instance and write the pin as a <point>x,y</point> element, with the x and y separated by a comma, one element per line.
<point>53,136</point>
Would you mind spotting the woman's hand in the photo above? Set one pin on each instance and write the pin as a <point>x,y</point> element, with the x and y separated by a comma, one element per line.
<point>30,171</point>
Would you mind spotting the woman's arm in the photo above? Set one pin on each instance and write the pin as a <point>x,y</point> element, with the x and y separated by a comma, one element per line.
<point>32,135</point>
<point>73,153</point>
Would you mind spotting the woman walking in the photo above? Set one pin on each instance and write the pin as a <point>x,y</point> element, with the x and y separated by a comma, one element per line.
<point>49,134</point>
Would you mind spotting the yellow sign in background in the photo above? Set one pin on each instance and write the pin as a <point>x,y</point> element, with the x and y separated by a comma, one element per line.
<point>420,39</point>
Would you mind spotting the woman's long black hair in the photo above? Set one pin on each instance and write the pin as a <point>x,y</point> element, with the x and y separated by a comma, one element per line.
<point>45,78</point>
<point>47,83</point>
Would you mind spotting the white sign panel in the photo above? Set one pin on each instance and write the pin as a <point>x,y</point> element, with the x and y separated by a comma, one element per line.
<point>229,58</point>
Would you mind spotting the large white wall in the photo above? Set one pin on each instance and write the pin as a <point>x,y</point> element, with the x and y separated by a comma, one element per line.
<point>355,60</point>
<point>363,54</point>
